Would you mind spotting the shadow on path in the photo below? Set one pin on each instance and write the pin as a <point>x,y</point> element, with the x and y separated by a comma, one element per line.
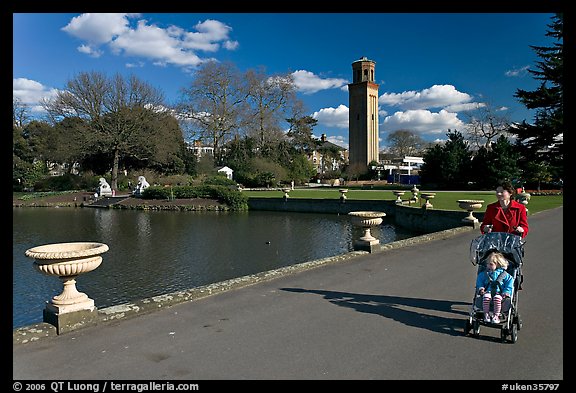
<point>398,309</point>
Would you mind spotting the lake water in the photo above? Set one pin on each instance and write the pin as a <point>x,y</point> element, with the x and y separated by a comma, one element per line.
<point>157,252</point>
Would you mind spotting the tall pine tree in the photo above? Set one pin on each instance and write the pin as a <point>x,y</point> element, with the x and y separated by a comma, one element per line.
<point>543,140</point>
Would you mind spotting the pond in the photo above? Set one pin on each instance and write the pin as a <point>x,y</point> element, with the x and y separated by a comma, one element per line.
<point>157,252</point>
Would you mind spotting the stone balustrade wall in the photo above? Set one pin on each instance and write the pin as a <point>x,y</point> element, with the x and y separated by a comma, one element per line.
<point>414,219</point>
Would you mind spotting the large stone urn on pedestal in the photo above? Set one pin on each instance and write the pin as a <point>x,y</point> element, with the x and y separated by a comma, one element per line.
<point>343,192</point>
<point>366,220</point>
<point>398,196</point>
<point>414,192</point>
<point>523,197</point>
<point>71,309</point>
<point>427,196</point>
<point>470,205</point>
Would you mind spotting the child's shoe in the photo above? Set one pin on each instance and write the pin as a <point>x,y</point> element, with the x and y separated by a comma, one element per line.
<point>495,319</point>
<point>486,317</point>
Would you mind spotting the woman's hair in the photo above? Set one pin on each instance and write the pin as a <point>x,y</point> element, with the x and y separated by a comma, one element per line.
<point>499,259</point>
<point>505,184</point>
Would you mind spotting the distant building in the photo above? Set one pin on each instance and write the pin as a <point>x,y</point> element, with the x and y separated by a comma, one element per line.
<point>328,156</point>
<point>227,171</point>
<point>200,150</point>
<point>406,166</point>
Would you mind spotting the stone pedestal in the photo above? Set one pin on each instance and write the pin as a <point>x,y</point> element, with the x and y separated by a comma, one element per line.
<point>70,321</point>
<point>67,310</point>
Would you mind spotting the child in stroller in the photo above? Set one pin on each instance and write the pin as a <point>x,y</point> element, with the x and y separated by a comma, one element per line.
<point>489,248</point>
<point>494,284</point>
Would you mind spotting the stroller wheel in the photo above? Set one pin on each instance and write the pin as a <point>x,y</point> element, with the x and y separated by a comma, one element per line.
<point>476,328</point>
<point>503,334</point>
<point>467,327</point>
<point>514,333</point>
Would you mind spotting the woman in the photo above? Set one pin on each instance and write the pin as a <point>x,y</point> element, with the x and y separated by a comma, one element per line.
<point>505,215</point>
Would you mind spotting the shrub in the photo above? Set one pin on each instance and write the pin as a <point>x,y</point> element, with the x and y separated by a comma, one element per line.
<point>223,194</point>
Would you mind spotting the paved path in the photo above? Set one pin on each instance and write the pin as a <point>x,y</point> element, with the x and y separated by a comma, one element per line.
<point>398,314</point>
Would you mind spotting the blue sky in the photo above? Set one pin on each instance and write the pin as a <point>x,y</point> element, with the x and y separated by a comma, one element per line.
<point>431,67</point>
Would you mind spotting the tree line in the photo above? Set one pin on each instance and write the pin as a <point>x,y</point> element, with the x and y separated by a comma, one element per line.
<point>106,125</point>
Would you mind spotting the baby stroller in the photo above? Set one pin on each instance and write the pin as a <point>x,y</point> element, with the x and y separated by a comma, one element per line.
<point>512,247</point>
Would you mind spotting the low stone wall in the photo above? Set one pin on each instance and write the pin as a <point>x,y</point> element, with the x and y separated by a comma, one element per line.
<point>414,219</point>
<point>325,206</point>
<point>429,220</point>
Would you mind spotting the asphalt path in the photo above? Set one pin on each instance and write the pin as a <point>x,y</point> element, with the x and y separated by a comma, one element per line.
<point>394,315</point>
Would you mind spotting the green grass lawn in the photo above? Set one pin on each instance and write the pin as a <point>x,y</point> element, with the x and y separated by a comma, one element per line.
<point>443,200</point>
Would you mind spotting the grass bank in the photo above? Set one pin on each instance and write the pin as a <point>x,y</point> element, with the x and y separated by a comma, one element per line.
<point>443,200</point>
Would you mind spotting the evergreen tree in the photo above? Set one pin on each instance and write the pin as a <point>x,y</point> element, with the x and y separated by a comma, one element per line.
<point>493,163</point>
<point>543,140</point>
<point>448,166</point>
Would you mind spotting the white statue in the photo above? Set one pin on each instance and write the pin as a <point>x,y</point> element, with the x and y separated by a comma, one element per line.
<point>104,188</point>
<point>141,186</point>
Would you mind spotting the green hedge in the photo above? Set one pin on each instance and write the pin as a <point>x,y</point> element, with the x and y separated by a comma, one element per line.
<point>232,198</point>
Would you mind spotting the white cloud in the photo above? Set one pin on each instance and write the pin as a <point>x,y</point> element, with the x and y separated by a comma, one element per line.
<point>163,46</point>
<point>422,121</point>
<point>98,28</point>
<point>31,92</point>
<point>470,106</point>
<point>90,51</point>
<point>231,45</point>
<point>338,140</point>
<point>332,117</point>
<point>518,72</point>
<point>154,43</point>
<point>437,96</point>
<point>307,82</point>
<point>208,36</point>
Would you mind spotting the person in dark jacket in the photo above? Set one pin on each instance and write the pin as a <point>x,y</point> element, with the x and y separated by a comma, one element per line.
<point>506,214</point>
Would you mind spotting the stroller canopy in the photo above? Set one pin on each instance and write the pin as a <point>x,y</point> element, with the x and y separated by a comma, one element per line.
<point>510,245</point>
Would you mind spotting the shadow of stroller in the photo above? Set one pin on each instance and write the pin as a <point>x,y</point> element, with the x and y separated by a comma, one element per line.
<point>398,308</point>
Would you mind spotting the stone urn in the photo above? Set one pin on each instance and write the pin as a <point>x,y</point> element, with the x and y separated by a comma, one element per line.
<point>67,261</point>
<point>366,220</point>
<point>427,196</point>
<point>470,205</point>
<point>399,196</point>
<point>286,191</point>
<point>523,197</point>
<point>414,192</point>
<point>343,192</point>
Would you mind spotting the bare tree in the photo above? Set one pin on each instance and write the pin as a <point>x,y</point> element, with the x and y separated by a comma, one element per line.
<point>269,97</point>
<point>485,124</point>
<point>214,103</point>
<point>405,143</point>
<point>20,113</point>
<point>114,108</point>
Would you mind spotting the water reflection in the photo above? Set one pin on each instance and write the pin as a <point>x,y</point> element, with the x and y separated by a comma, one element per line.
<point>153,253</point>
